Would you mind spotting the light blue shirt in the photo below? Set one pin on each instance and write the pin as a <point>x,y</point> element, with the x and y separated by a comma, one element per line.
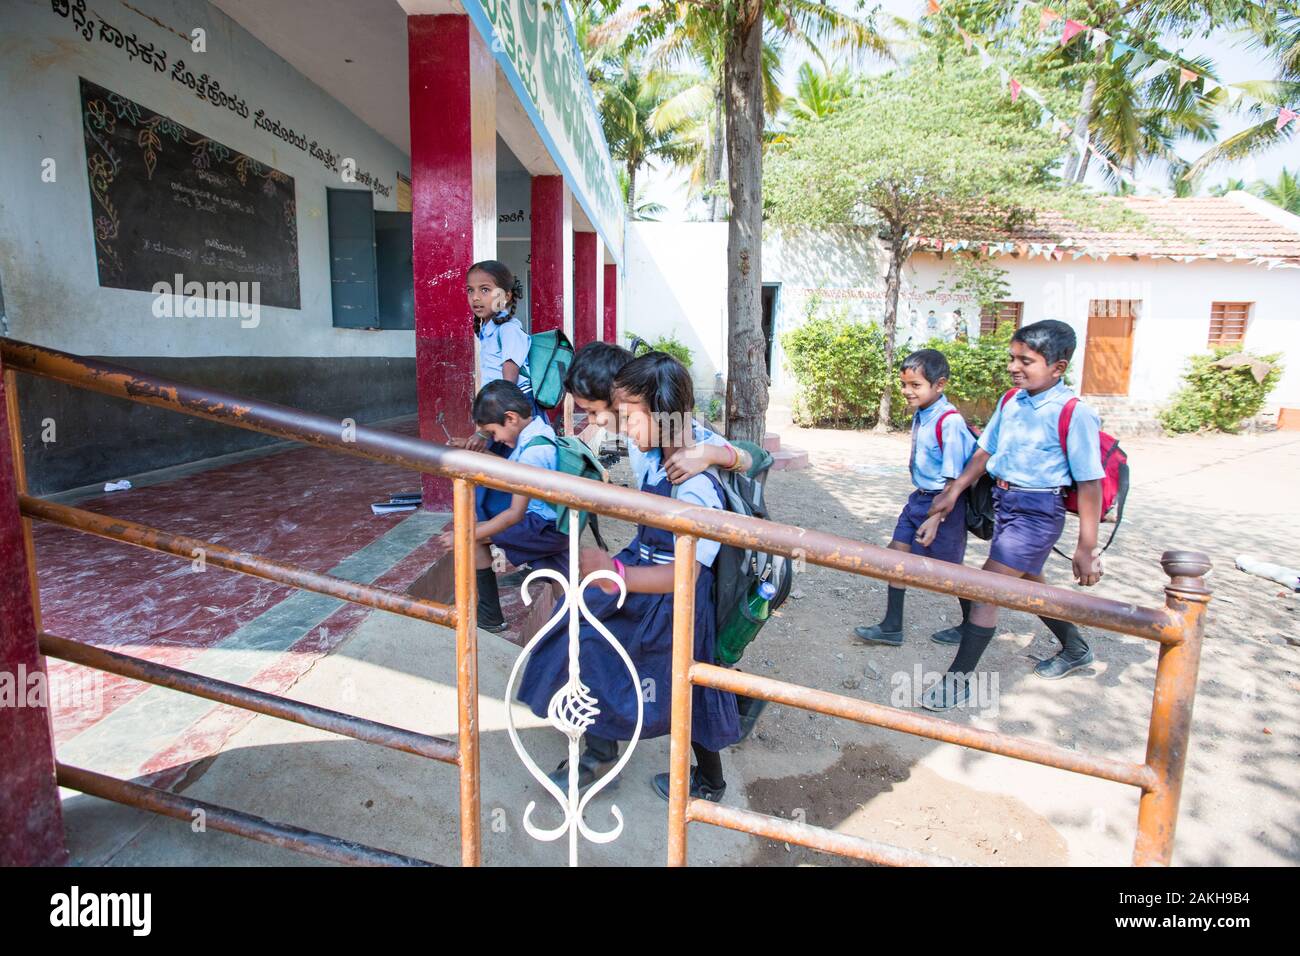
<point>637,458</point>
<point>696,490</point>
<point>1024,443</point>
<point>543,456</point>
<point>498,344</point>
<point>932,466</point>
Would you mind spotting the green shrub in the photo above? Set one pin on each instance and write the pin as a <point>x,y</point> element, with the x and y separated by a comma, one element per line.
<point>665,343</point>
<point>1218,399</point>
<point>839,366</point>
<point>978,372</point>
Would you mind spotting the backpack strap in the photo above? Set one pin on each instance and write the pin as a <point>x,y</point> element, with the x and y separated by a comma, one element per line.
<point>1006,398</point>
<point>1063,429</point>
<point>938,426</point>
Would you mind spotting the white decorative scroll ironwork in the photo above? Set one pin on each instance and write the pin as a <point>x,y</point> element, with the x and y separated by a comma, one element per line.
<point>573,708</point>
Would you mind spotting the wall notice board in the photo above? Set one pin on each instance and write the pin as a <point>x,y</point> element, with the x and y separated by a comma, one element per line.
<point>167,201</point>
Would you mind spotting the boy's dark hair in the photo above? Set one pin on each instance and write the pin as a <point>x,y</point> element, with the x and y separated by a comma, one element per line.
<point>496,398</point>
<point>1051,338</point>
<point>931,363</point>
<point>591,376</point>
<point>664,385</point>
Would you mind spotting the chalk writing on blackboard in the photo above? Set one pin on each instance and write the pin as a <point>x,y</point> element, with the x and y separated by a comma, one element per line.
<point>164,196</point>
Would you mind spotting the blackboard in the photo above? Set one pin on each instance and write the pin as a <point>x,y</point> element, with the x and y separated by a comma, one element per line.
<point>167,201</point>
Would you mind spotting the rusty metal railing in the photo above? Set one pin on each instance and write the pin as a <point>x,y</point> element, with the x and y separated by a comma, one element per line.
<point>1177,627</point>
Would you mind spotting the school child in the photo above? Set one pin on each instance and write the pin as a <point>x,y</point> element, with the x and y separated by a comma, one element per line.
<point>494,295</point>
<point>590,382</point>
<point>933,464</point>
<point>653,397</point>
<point>1021,449</point>
<point>524,529</point>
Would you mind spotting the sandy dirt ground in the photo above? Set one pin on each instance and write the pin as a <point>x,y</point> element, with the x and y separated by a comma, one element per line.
<point>1224,495</point>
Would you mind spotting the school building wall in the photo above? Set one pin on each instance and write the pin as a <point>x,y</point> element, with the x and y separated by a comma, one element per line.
<point>677,286</point>
<point>48,274</point>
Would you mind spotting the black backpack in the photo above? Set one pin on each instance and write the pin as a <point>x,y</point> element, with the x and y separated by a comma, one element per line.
<point>737,570</point>
<point>979,496</point>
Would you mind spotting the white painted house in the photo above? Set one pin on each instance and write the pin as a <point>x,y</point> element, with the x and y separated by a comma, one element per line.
<point>1211,270</point>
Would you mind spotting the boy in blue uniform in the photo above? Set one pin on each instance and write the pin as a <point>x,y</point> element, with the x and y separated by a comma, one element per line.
<point>941,446</point>
<point>1021,449</point>
<point>524,529</point>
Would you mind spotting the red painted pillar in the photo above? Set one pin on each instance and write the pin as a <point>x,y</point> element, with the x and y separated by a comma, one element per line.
<point>453,217</point>
<point>551,248</point>
<point>31,818</point>
<point>586,274</point>
<point>611,305</point>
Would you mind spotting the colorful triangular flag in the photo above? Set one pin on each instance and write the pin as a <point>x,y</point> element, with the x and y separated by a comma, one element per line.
<point>1047,18</point>
<point>1015,91</point>
<point>933,6</point>
<point>1098,37</point>
<point>965,39</point>
<point>1120,49</point>
<point>1186,76</point>
<point>986,61</point>
<point>1284,116</point>
<point>1072,29</point>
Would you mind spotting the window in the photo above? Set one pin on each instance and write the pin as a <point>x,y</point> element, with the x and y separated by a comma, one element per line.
<point>372,282</point>
<point>1228,321</point>
<point>1001,312</point>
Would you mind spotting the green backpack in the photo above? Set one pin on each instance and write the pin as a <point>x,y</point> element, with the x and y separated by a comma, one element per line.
<point>573,457</point>
<point>549,356</point>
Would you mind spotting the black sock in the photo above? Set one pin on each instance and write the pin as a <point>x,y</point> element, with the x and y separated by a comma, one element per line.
<point>489,601</point>
<point>894,610</point>
<point>709,763</point>
<point>974,640</point>
<point>602,748</point>
<point>965,609</point>
<point>1072,642</point>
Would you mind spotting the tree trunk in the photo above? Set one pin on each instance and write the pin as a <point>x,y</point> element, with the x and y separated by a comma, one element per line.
<point>892,280</point>
<point>1078,162</point>
<point>746,345</point>
<point>715,156</point>
<point>631,190</point>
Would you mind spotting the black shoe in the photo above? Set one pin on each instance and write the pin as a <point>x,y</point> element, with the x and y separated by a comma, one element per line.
<point>952,690</point>
<point>490,617</point>
<point>590,769</point>
<point>1054,668</point>
<point>875,634</point>
<point>699,790</point>
<point>949,635</point>
<point>750,708</point>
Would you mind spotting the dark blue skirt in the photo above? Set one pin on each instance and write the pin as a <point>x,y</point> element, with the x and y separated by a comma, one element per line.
<point>644,627</point>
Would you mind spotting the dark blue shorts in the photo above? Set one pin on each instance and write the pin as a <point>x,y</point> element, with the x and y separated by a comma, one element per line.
<point>950,542</point>
<point>533,539</point>
<point>1026,526</point>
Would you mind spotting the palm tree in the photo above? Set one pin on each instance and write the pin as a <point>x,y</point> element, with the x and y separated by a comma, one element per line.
<point>818,95</point>
<point>1284,193</point>
<point>1275,31</point>
<point>629,95</point>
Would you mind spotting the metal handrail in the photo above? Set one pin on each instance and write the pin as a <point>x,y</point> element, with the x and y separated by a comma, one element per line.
<point>815,547</point>
<point>1177,627</point>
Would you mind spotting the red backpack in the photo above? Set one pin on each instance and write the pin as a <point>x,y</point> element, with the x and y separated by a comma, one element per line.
<point>1114,462</point>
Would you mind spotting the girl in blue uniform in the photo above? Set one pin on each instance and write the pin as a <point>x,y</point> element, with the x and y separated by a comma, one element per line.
<point>494,294</point>
<point>654,397</point>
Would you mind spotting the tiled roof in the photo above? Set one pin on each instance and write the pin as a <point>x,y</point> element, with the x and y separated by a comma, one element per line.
<point>1233,226</point>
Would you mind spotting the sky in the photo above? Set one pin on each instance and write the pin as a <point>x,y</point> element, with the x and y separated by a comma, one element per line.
<point>1234,62</point>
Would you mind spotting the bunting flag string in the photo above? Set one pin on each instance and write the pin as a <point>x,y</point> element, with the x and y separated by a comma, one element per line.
<point>1144,66</point>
